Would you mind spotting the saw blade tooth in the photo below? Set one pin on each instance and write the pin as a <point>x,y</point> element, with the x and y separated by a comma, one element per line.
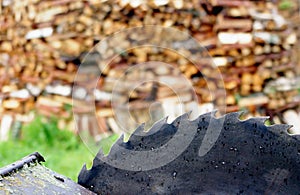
<point>213,113</point>
<point>157,126</point>
<point>100,154</point>
<point>140,130</point>
<point>120,140</point>
<point>189,113</point>
<point>177,121</point>
<point>259,120</point>
<point>263,119</point>
<point>82,173</point>
<point>279,128</point>
<point>116,146</point>
<point>208,114</point>
<point>234,115</point>
<point>288,128</point>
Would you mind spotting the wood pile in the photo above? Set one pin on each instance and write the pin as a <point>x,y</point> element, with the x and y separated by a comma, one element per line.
<point>290,10</point>
<point>289,113</point>
<point>43,42</point>
<point>254,45</point>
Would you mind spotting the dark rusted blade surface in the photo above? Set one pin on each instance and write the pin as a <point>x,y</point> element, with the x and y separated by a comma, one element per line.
<point>28,176</point>
<point>215,156</point>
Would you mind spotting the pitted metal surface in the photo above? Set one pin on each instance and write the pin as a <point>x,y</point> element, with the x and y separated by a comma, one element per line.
<point>246,157</point>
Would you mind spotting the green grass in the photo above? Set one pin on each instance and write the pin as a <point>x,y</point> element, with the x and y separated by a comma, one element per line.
<point>285,5</point>
<point>63,151</point>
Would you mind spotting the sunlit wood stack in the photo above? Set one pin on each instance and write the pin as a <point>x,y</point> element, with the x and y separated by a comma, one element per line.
<point>255,45</point>
<point>290,10</point>
<point>42,43</point>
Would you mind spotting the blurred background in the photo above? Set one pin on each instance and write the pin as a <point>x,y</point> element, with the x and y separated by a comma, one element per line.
<point>254,45</point>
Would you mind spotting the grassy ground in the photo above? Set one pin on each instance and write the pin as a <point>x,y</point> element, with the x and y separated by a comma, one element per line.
<point>285,4</point>
<point>63,151</point>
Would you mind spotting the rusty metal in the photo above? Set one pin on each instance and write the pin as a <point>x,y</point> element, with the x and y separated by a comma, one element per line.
<point>32,158</point>
<point>28,176</point>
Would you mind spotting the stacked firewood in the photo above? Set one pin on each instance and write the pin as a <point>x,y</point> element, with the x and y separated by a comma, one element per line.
<point>284,101</point>
<point>255,45</point>
<point>290,10</point>
<point>43,42</point>
<point>249,42</point>
<point>277,64</point>
<point>283,93</point>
